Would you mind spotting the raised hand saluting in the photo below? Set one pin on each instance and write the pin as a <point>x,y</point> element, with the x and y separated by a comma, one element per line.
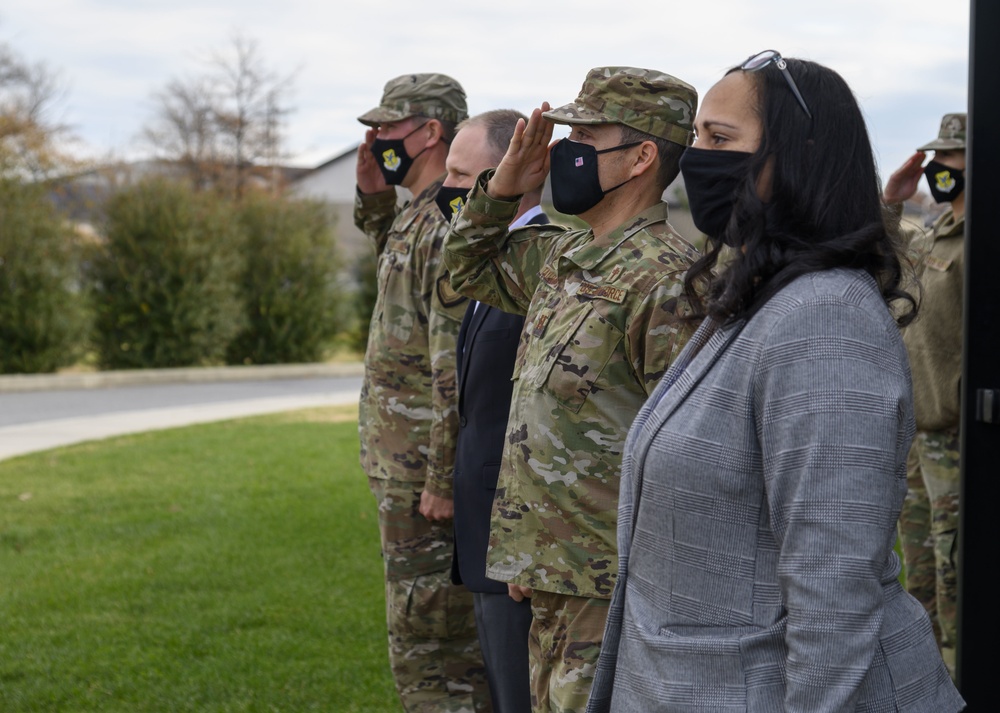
<point>526,163</point>
<point>369,176</point>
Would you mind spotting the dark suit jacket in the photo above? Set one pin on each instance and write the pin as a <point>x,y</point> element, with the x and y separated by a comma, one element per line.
<point>487,345</point>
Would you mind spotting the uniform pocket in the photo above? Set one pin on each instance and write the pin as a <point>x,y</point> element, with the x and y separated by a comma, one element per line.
<point>430,607</point>
<point>577,360</point>
<point>396,309</point>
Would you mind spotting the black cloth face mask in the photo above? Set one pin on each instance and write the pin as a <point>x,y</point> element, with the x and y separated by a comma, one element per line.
<point>711,179</point>
<point>392,159</point>
<point>946,183</point>
<point>576,186</point>
<point>450,200</point>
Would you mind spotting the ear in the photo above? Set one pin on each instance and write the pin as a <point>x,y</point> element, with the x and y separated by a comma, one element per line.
<point>434,132</point>
<point>646,159</point>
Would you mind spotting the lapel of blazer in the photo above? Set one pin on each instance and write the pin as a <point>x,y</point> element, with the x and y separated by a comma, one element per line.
<point>688,369</point>
<point>470,328</point>
<point>706,346</point>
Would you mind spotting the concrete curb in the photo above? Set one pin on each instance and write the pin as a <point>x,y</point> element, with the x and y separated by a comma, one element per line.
<point>102,379</point>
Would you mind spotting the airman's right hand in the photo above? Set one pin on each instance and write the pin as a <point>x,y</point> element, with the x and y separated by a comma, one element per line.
<point>370,178</point>
<point>518,593</point>
<point>903,183</point>
<point>526,163</point>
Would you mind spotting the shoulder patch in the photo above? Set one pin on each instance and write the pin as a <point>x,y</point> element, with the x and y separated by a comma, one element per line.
<point>447,294</point>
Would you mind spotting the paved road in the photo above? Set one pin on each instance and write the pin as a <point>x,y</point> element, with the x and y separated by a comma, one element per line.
<point>33,420</point>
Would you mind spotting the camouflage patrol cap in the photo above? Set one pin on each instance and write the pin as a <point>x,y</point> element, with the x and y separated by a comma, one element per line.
<point>436,96</point>
<point>951,135</point>
<point>643,99</point>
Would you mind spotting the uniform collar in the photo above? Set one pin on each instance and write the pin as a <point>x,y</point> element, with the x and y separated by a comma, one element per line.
<point>595,250</point>
<point>947,226</point>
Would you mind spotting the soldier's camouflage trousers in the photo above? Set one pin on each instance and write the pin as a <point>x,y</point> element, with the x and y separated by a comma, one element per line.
<point>563,645</point>
<point>928,527</point>
<point>433,646</point>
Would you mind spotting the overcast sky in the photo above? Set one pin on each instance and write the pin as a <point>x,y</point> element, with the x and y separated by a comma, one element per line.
<point>905,59</point>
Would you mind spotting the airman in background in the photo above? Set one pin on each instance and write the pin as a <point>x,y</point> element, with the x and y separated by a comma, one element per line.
<point>928,523</point>
<point>408,414</point>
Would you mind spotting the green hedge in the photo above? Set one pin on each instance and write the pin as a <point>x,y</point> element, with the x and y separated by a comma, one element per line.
<point>165,283</point>
<point>289,284</point>
<point>42,313</point>
<point>365,277</point>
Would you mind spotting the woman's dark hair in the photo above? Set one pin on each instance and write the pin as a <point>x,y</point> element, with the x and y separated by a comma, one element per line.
<point>825,208</point>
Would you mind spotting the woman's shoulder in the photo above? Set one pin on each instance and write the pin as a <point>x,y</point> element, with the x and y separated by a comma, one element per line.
<point>821,290</point>
<point>842,301</point>
<point>849,286</point>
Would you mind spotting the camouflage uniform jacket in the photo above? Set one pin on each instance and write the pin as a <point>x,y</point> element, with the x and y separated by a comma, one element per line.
<point>602,325</point>
<point>408,419</point>
<point>934,339</point>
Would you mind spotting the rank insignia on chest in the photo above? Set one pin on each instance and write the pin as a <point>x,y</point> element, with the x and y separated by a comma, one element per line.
<point>540,323</point>
<point>937,264</point>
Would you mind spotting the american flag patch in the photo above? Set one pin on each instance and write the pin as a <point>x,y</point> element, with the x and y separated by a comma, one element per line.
<point>579,161</point>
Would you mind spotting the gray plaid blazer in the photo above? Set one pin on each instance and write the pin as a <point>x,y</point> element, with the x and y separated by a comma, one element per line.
<point>760,489</point>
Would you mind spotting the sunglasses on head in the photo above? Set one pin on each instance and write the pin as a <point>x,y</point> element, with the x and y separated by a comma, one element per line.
<point>762,59</point>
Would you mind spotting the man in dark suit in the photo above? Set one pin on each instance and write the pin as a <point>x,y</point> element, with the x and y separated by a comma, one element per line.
<point>487,344</point>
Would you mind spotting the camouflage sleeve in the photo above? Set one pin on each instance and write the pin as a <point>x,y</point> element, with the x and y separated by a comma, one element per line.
<point>445,309</point>
<point>489,263</point>
<point>658,331</point>
<point>374,213</point>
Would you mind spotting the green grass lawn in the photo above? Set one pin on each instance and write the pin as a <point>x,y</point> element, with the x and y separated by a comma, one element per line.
<point>227,567</point>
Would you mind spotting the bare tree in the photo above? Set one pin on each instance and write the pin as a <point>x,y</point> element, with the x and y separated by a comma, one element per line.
<point>225,123</point>
<point>29,134</point>
<point>184,129</point>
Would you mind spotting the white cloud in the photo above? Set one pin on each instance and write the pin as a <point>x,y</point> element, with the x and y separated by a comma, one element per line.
<point>905,61</point>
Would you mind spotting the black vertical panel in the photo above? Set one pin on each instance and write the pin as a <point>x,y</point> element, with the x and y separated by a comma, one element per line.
<point>979,613</point>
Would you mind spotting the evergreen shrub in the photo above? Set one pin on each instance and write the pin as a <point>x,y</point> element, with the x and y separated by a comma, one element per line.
<point>43,317</point>
<point>289,286</point>
<point>166,281</point>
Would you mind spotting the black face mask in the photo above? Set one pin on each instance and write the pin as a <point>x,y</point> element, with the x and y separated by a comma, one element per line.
<point>450,200</point>
<point>711,179</point>
<point>576,185</point>
<point>393,161</point>
<point>946,183</point>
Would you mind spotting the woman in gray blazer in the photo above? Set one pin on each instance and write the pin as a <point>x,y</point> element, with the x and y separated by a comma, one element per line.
<point>762,480</point>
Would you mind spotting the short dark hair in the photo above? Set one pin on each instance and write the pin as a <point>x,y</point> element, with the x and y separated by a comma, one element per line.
<point>499,125</point>
<point>825,208</point>
<point>668,152</point>
<point>448,128</point>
